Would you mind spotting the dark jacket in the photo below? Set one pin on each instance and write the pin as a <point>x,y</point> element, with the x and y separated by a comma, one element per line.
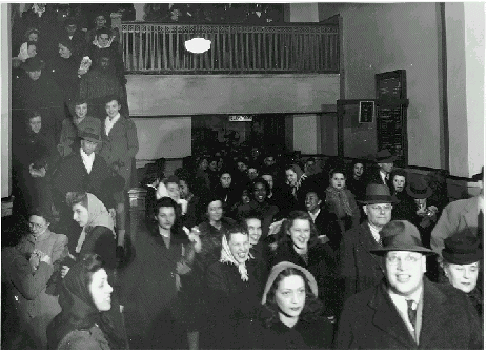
<point>232,303</point>
<point>374,177</point>
<point>73,177</point>
<point>359,269</point>
<point>370,321</point>
<point>321,264</point>
<point>327,223</point>
<point>148,287</point>
<point>312,334</point>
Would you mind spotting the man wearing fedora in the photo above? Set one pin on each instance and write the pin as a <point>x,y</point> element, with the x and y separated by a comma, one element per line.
<point>359,269</point>
<point>385,162</point>
<point>85,171</point>
<point>406,310</point>
<point>459,216</point>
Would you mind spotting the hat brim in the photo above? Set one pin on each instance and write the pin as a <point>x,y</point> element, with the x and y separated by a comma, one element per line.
<point>386,160</point>
<point>383,251</point>
<point>427,193</point>
<point>387,199</point>
<point>92,139</point>
<point>462,259</point>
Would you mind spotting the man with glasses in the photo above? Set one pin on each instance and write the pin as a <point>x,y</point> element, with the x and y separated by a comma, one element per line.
<point>407,310</point>
<point>359,269</point>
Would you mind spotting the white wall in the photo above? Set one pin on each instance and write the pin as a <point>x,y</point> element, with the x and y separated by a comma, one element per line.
<point>305,134</point>
<point>5,105</point>
<point>475,20</point>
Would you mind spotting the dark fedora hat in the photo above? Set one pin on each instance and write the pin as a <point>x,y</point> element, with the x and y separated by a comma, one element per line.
<point>384,156</point>
<point>401,235</point>
<point>462,249</point>
<point>479,176</point>
<point>418,189</point>
<point>90,130</point>
<point>378,193</point>
<point>33,64</point>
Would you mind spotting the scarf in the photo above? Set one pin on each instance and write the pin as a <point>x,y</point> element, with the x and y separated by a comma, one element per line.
<point>96,43</point>
<point>97,216</point>
<point>340,201</point>
<point>227,257</point>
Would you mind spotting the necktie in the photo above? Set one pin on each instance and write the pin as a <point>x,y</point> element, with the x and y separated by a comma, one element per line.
<point>412,314</point>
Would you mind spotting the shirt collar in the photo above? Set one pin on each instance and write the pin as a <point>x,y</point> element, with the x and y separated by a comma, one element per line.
<point>314,216</point>
<point>114,120</point>
<point>415,296</point>
<point>84,155</point>
<point>163,234</point>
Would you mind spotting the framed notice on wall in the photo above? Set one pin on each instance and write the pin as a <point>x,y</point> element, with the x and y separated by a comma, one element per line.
<point>391,114</point>
<point>366,111</point>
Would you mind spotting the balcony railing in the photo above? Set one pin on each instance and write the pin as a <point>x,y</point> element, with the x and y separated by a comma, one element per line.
<point>155,48</point>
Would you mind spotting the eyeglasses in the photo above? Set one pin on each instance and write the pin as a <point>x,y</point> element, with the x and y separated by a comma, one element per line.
<point>409,259</point>
<point>35,225</point>
<point>378,208</point>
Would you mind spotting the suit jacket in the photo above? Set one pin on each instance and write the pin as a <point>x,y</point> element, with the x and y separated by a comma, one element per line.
<point>458,216</point>
<point>359,269</point>
<point>371,321</point>
<point>72,176</point>
<point>375,178</point>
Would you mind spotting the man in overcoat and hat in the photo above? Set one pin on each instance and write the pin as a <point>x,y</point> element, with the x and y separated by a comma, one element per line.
<point>406,310</point>
<point>359,269</point>
<point>382,176</point>
<point>461,215</point>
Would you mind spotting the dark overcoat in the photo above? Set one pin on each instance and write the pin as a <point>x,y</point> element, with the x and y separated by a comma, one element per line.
<point>371,321</point>
<point>359,269</point>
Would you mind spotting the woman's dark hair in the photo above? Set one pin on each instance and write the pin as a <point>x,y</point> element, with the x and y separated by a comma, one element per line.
<point>103,30</point>
<point>234,230</point>
<point>284,237</point>
<point>399,172</point>
<point>166,202</point>
<point>31,114</point>
<point>313,305</point>
<point>73,198</point>
<point>42,212</point>
<point>337,171</point>
<point>30,31</point>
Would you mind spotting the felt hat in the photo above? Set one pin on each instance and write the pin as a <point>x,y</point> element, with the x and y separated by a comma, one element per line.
<point>461,249</point>
<point>33,64</point>
<point>401,235</point>
<point>90,130</point>
<point>417,188</point>
<point>384,156</point>
<point>479,176</point>
<point>378,193</point>
<point>283,265</point>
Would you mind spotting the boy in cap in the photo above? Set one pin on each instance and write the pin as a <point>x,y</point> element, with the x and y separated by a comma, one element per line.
<point>406,310</point>
<point>85,171</point>
<point>71,127</point>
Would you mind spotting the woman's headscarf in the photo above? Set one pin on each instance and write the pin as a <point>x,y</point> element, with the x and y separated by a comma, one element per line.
<point>79,311</point>
<point>97,216</point>
<point>227,257</point>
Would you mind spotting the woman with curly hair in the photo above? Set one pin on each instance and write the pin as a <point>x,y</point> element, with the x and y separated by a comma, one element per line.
<point>85,299</point>
<point>292,315</point>
<point>298,242</point>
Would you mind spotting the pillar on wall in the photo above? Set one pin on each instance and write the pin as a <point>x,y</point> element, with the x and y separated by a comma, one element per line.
<point>465,26</point>
<point>5,105</point>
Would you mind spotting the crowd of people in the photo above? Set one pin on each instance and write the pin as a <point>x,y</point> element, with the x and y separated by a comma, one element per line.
<point>237,251</point>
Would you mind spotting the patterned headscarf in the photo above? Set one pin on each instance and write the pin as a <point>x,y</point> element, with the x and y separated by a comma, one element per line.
<point>227,257</point>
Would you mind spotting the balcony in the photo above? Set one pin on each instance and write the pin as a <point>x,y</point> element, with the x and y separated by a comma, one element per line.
<point>158,48</point>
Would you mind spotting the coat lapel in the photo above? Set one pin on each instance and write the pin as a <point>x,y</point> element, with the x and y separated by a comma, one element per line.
<point>368,243</point>
<point>387,318</point>
<point>470,215</point>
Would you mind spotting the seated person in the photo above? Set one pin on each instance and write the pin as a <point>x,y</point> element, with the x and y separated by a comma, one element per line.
<point>341,201</point>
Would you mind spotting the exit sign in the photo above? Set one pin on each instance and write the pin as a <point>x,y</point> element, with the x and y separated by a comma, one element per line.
<point>240,118</point>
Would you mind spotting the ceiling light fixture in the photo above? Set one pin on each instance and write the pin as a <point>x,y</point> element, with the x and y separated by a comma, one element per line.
<point>197,45</point>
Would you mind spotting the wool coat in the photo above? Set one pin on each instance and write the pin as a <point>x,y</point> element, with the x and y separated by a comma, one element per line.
<point>148,290</point>
<point>73,177</point>
<point>120,147</point>
<point>458,216</point>
<point>232,303</point>
<point>358,268</point>
<point>371,321</point>
<point>374,177</point>
<point>327,223</point>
